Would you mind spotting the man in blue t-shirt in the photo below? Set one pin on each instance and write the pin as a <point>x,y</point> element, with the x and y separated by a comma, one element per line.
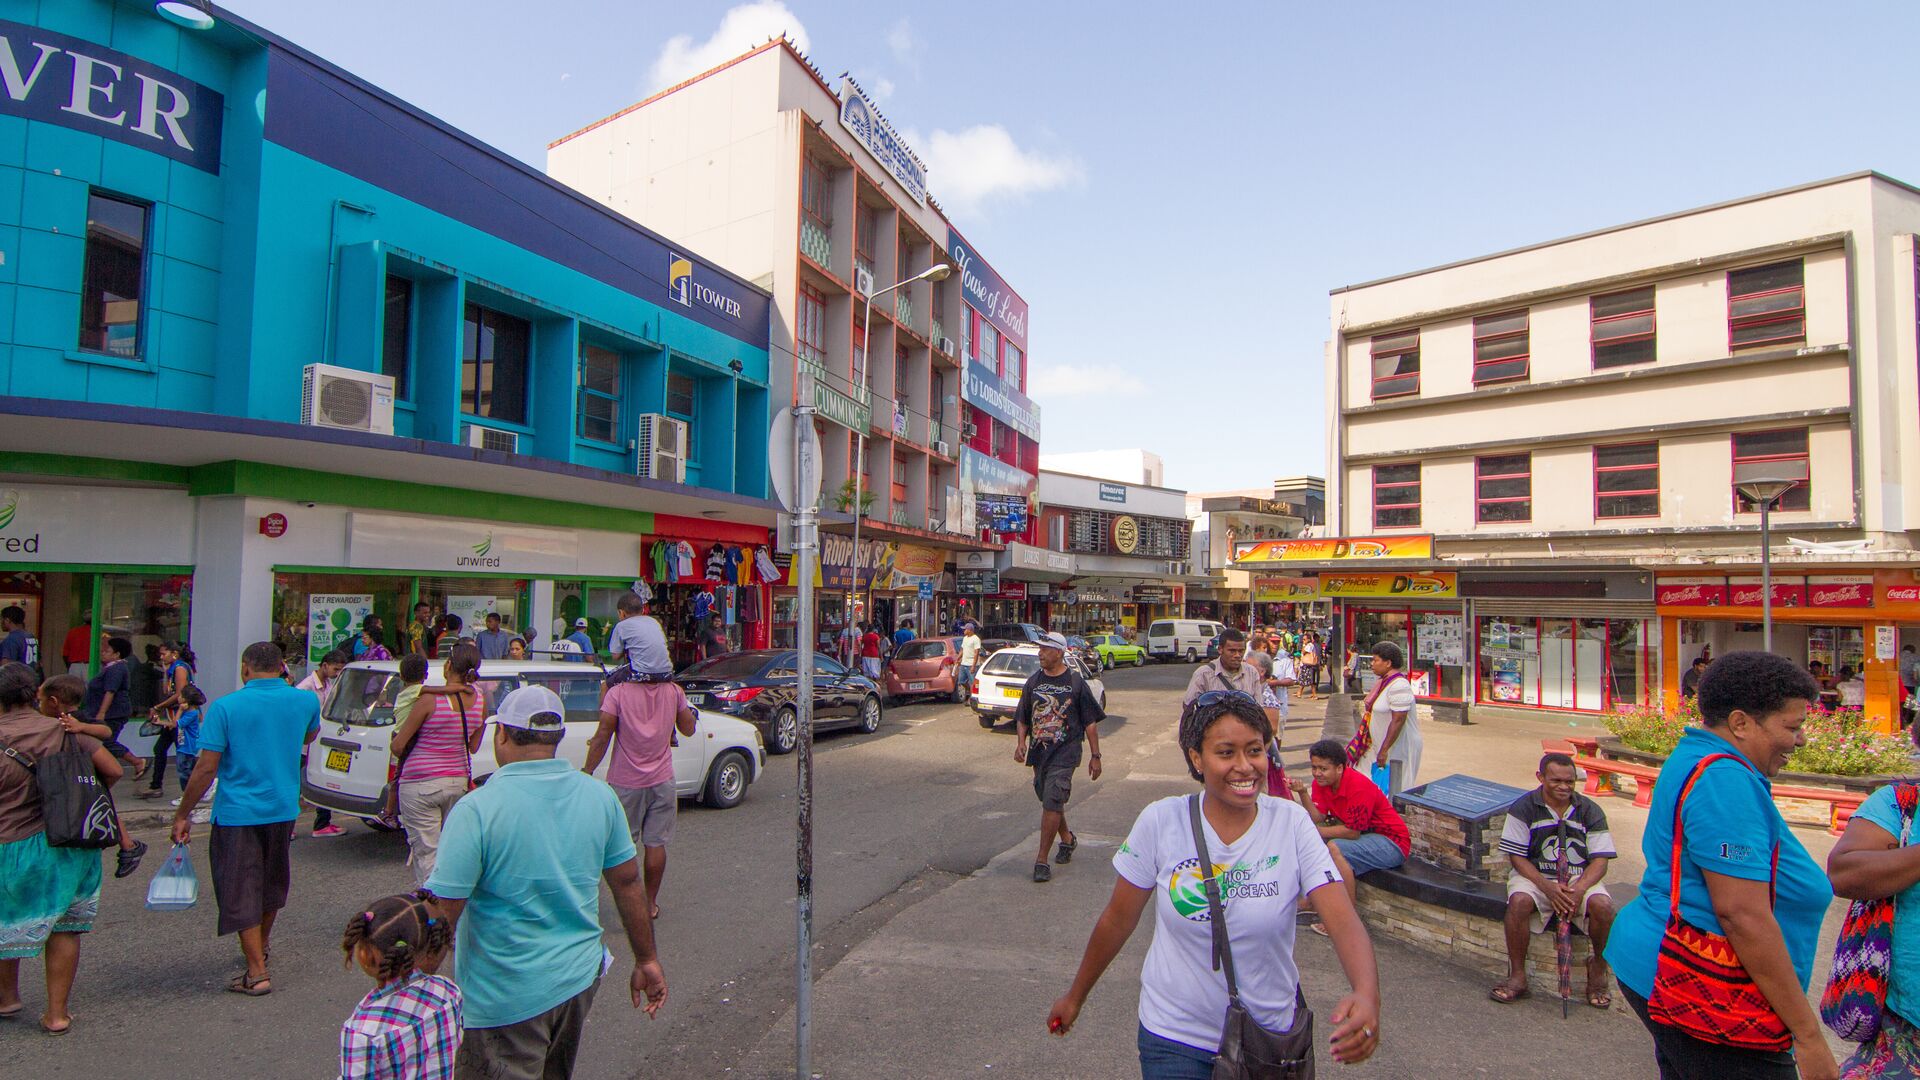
<point>251,741</point>
<point>13,634</point>
<point>904,634</point>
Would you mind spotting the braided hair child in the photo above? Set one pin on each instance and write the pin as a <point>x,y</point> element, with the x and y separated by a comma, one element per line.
<point>410,1024</point>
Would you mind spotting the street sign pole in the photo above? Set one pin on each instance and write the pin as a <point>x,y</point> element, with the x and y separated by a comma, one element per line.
<point>805,507</point>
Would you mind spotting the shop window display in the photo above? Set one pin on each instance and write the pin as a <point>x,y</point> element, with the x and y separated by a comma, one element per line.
<point>1587,665</point>
<point>331,601</point>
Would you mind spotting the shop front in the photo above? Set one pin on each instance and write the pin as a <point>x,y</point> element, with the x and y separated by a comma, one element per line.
<point>1419,612</point>
<point>1095,608</point>
<point>1860,620</point>
<point>1282,599</point>
<point>843,590</point>
<point>1152,602</point>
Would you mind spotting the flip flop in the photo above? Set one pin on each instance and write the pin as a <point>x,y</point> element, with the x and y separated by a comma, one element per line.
<point>252,987</point>
<point>1506,996</point>
<point>53,1031</point>
<point>8,1014</point>
<point>1600,999</point>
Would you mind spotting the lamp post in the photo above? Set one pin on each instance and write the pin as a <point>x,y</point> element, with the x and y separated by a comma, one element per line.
<point>936,272</point>
<point>1765,488</point>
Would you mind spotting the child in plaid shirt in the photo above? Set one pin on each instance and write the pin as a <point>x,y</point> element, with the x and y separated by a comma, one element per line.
<point>409,1027</point>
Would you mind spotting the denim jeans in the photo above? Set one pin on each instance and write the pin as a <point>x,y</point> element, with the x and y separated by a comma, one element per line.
<point>1370,851</point>
<point>1164,1059</point>
<point>183,764</point>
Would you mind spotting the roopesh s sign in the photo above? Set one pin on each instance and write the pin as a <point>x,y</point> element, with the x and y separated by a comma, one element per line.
<point>77,84</point>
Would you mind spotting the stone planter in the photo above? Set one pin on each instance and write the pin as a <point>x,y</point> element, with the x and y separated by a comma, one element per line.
<point>1796,811</point>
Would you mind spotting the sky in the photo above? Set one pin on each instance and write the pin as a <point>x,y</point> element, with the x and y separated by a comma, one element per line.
<point>1174,188</point>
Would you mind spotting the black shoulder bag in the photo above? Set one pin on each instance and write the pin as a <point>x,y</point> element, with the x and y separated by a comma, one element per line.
<point>1247,1050</point>
<point>75,806</point>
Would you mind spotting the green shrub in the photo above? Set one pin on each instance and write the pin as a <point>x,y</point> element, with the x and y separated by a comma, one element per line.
<point>1646,728</point>
<point>1840,742</point>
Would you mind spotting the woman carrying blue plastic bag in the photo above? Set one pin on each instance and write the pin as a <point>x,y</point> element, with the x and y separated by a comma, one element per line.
<point>49,896</point>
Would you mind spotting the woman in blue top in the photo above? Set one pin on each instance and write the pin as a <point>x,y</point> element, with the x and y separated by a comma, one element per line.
<point>1880,857</point>
<point>1752,705</point>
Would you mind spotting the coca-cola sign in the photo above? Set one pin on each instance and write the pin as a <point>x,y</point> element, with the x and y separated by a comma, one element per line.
<point>1787,592</point>
<point>1691,592</point>
<point>1903,594</point>
<point>1851,591</point>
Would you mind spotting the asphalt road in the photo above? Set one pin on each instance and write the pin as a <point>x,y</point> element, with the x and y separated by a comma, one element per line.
<point>899,815</point>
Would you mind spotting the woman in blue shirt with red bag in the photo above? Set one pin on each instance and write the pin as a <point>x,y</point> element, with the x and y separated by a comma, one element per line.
<point>1720,978</point>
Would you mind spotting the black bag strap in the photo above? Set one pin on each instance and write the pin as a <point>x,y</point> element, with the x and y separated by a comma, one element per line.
<point>460,701</point>
<point>1216,910</point>
<point>18,758</point>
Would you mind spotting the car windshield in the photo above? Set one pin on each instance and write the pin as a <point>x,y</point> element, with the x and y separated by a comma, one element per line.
<point>364,697</point>
<point>1010,662</point>
<point>921,650</point>
<point>729,666</point>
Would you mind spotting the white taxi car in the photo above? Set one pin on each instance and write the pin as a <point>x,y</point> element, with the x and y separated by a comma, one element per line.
<point>347,763</point>
<point>997,685</point>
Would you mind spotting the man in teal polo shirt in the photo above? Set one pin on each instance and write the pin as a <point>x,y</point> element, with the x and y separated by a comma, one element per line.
<point>251,741</point>
<point>518,876</point>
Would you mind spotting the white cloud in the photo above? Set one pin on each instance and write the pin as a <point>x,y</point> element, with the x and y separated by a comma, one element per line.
<point>904,46</point>
<point>741,28</point>
<point>1073,380</point>
<point>882,89</point>
<point>968,169</point>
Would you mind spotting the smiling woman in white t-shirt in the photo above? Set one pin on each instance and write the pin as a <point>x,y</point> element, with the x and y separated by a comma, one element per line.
<point>1269,858</point>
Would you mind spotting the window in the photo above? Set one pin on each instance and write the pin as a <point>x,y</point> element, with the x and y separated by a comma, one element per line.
<point>114,275</point>
<point>1781,451</point>
<point>988,340</point>
<point>1622,328</point>
<point>866,225</point>
<point>1503,488</point>
<point>396,333</point>
<point>902,375</point>
<point>1396,496</point>
<point>816,191</point>
<point>680,397</point>
<point>493,365</point>
<point>811,332</point>
<point>1500,348</point>
<point>899,491</point>
<point>1396,364</point>
<point>1626,480</point>
<point>1766,304</point>
<point>599,393</point>
<point>1004,446</point>
<point>1016,367</point>
<point>860,356</point>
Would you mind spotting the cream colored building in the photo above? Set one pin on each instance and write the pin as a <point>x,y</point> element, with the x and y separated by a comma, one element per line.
<point>1565,421</point>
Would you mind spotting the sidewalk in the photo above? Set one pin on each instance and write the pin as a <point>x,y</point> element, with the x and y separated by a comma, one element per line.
<point>960,983</point>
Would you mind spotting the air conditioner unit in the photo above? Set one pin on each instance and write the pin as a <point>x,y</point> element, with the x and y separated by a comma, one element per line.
<point>940,447</point>
<point>946,345</point>
<point>862,281</point>
<point>662,454</point>
<point>348,399</point>
<point>483,437</point>
<point>968,430</point>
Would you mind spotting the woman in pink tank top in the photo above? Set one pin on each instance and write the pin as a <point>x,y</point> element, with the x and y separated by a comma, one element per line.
<point>435,745</point>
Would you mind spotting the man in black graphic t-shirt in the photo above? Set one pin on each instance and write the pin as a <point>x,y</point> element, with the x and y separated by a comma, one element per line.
<point>1057,709</point>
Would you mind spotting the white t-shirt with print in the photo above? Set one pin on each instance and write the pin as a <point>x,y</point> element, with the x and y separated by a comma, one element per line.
<point>1264,876</point>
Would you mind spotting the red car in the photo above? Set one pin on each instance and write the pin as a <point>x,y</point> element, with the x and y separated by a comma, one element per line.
<point>926,666</point>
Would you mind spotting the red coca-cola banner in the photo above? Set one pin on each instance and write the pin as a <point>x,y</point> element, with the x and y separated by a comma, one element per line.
<point>1850,591</point>
<point>1903,594</point>
<point>1787,592</point>
<point>1691,592</point>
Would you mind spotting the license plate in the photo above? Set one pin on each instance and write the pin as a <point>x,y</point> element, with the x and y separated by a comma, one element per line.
<point>696,699</point>
<point>916,686</point>
<point>340,760</point>
<point>1012,692</point>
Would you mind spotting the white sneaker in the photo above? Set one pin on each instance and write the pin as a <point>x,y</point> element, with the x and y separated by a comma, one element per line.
<point>201,816</point>
<point>174,803</point>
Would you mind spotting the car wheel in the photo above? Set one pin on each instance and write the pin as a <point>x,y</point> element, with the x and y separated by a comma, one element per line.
<point>786,731</point>
<point>727,781</point>
<point>1139,659</point>
<point>1192,656</point>
<point>870,715</point>
<point>959,694</point>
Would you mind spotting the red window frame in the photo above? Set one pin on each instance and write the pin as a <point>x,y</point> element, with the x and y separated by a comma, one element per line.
<point>1797,497</point>
<point>1482,501</point>
<point>897,483</point>
<point>866,223</point>
<point>810,325</point>
<point>1396,485</point>
<point>1487,334</point>
<point>1765,310</point>
<point>816,191</point>
<point>1645,485</point>
<point>1398,348</point>
<point>1621,325</point>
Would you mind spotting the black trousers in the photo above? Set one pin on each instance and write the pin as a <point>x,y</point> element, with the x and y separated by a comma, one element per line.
<point>161,744</point>
<point>1683,1057</point>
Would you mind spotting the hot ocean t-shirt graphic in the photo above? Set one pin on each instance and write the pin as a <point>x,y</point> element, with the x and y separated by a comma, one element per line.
<point>1186,888</point>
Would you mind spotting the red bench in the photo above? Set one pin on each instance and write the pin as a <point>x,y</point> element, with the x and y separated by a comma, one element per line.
<point>1599,768</point>
<point>1841,804</point>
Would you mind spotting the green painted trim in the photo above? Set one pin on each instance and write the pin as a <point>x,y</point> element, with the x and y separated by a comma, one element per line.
<point>337,489</point>
<point>91,568</point>
<point>96,468</point>
<point>417,575</point>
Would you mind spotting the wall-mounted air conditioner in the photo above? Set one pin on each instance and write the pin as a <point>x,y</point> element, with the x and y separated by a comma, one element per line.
<point>968,430</point>
<point>483,437</point>
<point>347,399</point>
<point>862,281</point>
<point>662,454</point>
<point>946,345</point>
<point>940,447</point>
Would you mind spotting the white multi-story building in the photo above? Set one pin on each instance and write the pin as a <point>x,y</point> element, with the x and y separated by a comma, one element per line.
<point>1536,453</point>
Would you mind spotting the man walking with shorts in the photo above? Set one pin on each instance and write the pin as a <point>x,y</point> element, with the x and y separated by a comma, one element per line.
<point>640,719</point>
<point>518,877</point>
<point>251,741</point>
<point>1056,711</point>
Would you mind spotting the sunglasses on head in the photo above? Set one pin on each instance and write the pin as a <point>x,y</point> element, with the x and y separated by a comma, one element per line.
<point>1215,697</point>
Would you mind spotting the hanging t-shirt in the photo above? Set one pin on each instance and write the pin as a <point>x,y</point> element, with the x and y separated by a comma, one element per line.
<point>763,565</point>
<point>658,554</point>
<point>1265,873</point>
<point>702,605</point>
<point>683,555</point>
<point>716,564</point>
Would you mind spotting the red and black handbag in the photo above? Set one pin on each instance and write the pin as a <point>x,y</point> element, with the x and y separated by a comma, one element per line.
<point>1699,985</point>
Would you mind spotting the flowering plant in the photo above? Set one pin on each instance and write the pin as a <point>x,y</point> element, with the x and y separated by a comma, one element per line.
<point>1840,742</point>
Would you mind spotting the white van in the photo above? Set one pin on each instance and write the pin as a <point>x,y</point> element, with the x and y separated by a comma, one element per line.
<point>1181,639</point>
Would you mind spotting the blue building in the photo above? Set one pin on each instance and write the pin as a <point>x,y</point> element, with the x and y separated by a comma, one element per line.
<point>278,350</point>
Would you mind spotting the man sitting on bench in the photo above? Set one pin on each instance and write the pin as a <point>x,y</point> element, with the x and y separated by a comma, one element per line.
<point>1537,822</point>
<point>1361,827</point>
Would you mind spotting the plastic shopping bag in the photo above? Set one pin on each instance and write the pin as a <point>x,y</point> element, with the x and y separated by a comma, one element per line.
<point>174,888</point>
<point>1382,776</point>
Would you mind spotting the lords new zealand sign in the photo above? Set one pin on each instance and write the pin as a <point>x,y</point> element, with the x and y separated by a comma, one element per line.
<point>77,84</point>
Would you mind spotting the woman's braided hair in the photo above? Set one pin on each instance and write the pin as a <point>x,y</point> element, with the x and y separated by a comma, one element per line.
<point>402,929</point>
<point>1194,725</point>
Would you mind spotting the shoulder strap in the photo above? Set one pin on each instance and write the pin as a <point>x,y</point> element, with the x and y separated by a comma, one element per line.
<point>1907,797</point>
<point>1693,777</point>
<point>1216,909</point>
<point>460,700</point>
<point>17,757</point>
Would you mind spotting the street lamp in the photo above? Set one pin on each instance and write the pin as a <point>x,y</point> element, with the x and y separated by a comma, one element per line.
<point>1764,484</point>
<point>936,272</point>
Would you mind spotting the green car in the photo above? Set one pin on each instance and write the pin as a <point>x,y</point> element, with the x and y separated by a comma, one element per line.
<point>1115,650</point>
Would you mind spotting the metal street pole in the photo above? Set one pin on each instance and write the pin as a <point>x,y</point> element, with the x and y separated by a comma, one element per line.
<point>805,549</point>
<point>1766,576</point>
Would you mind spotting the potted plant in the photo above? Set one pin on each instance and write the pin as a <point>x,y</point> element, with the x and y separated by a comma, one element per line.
<point>844,501</point>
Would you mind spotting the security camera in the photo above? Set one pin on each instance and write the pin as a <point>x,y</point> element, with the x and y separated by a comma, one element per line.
<point>309,505</point>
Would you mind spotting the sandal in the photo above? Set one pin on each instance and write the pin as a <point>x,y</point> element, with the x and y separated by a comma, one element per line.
<point>1601,998</point>
<point>129,860</point>
<point>145,764</point>
<point>1507,995</point>
<point>56,1031</point>
<point>1042,872</point>
<point>250,986</point>
<point>1065,854</point>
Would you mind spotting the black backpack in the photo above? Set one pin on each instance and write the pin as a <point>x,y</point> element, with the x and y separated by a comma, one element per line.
<point>76,807</point>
